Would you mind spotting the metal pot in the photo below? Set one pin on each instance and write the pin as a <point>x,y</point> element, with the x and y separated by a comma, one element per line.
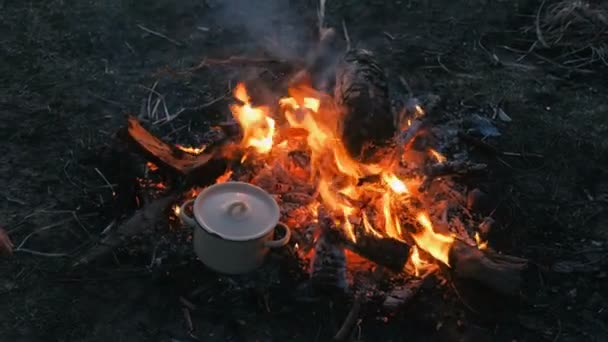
<point>234,225</point>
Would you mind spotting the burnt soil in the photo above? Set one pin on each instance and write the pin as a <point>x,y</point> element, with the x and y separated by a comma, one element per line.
<point>71,70</point>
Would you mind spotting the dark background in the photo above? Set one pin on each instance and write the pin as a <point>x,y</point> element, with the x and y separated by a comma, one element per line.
<point>70,70</point>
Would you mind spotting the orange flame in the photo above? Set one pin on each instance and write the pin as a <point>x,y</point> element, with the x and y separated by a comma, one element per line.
<point>258,127</point>
<point>396,184</point>
<point>337,174</point>
<point>435,244</point>
<point>192,150</point>
<point>151,166</point>
<point>224,178</point>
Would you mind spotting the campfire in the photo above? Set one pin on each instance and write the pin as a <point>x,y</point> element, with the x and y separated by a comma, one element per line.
<point>363,190</point>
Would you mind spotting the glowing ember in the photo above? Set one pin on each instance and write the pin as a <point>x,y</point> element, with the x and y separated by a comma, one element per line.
<point>437,245</point>
<point>258,127</point>
<point>192,150</point>
<point>151,166</point>
<point>224,178</point>
<point>176,210</point>
<point>480,243</point>
<point>438,156</point>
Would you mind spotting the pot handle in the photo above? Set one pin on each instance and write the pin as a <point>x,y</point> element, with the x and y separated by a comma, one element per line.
<point>184,217</point>
<point>281,242</point>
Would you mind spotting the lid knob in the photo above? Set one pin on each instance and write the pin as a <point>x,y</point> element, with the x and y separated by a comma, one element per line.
<point>237,209</point>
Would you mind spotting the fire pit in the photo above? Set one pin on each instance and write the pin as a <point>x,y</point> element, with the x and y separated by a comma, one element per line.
<point>371,194</point>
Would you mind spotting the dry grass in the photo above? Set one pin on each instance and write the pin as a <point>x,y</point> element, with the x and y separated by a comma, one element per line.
<point>574,33</point>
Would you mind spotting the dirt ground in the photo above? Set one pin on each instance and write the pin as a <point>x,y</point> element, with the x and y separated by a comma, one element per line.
<point>72,69</point>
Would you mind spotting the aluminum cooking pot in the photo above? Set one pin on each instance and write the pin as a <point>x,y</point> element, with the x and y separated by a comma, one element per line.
<point>234,226</point>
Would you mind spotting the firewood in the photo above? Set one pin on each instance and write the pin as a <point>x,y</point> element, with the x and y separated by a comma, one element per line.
<point>388,252</point>
<point>328,271</point>
<point>143,219</point>
<point>361,91</point>
<point>403,294</point>
<point>450,168</point>
<point>162,154</point>
<point>501,273</point>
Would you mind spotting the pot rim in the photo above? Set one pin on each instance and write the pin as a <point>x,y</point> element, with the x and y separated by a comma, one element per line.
<point>201,221</point>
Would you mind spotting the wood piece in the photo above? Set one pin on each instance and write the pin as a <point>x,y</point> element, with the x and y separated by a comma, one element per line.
<point>403,294</point>
<point>501,273</point>
<point>144,218</point>
<point>361,91</point>
<point>450,168</point>
<point>388,252</point>
<point>328,271</point>
<point>350,321</point>
<point>162,154</point>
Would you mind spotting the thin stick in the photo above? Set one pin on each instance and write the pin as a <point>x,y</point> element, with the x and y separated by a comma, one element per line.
<point>158,34</point>
<point>346,36</point>
<point>37,253</point>
<point>106,180</point>
<point>149,102</point>
<point>321,16</point>
<point>539,32</point>
<point>349,321</point>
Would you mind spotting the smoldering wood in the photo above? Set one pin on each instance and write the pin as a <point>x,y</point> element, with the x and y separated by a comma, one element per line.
<point>145,218</point>
<point>328,271</point>
<point>498,272</point>
<point>361,91</point>
<point>165,156</point>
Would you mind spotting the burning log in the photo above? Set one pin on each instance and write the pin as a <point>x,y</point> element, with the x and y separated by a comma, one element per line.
<point>162,154</point>
<point>143,219</point>
<point>361,91</point>
<point>388,252</point>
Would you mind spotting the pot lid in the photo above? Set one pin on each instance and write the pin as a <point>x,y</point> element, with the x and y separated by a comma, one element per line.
<point>236,211</point>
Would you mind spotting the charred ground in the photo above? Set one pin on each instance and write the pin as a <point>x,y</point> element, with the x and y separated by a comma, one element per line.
<point>72,70</point>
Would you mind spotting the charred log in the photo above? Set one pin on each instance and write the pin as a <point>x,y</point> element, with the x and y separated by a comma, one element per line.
<point>147,217</point>
<point>361,90</point>
<point>328,271</point>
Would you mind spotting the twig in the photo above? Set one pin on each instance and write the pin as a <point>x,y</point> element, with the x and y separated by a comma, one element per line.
<point>158,34</point>
<point>458,74</point>
<point>106,180</point>
<point>33,252</point>
<point>37,253</point>
<point>239,60</point>
<point>539,32</point>
<point>149,101</point>
<point>321,16</point>
<point>80,223</point>
<point>349,321</point>
<point>346,36</point>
